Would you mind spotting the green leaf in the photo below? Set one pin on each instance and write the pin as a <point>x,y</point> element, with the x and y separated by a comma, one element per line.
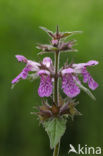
<point>46,47</point>
<point>77,32</point>
<point>67,34</point>
<point>86,90</point>
<point>55,129</point>
<point>47,31</point>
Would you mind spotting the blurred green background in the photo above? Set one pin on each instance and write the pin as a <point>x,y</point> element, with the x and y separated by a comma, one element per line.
<point>20,132</point>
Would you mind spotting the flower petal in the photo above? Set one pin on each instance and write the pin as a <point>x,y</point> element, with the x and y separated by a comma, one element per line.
<point>80,66</point>
<point>92,84</point>
<point>21,58</point>
<point>45,88</point>
<point>40,72</point>
<point>47,62</point>
<point>69,86</point>
<point>85,75</point>
<point>34,65</point>
<point>15,80</point>
<point>54,42</point>
<point>92,63</point>
<point>88,78</point>
<point>22,75</point>
<point>67,71</point>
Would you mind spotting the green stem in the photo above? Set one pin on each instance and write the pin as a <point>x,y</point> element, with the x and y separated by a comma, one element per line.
<point>56,150</point>
<point>56,82</point>
<point>56,95</point>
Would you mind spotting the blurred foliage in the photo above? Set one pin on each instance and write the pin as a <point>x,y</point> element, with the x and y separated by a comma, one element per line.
<point>20,133</point>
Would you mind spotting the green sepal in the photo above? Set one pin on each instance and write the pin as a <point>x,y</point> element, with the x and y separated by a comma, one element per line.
<point>86,90</point>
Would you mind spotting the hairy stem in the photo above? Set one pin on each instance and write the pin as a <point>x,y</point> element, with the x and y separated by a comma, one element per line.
<point>56,95</point>
<point>56,81</point>
<point>56,150</point>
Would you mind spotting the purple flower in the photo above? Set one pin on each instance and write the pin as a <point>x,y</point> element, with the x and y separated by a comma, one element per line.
<point>68,83</point>
<point>54,42</point>
<point>69,87</point>
<point>30,66</point>
<point>21,58</point>
<point>45,88</point>
<point>87,78</point>
<point>22,75</point>
<point>80,66</point>
<point>69,78</point>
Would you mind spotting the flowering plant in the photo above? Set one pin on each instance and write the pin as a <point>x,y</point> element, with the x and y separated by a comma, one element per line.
<point>54,115</point>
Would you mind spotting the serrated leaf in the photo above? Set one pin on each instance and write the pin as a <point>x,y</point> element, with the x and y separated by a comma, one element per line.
<point>86,90</point>
<point>55,129</point>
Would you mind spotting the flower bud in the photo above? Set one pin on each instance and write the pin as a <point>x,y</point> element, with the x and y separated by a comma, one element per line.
<point>54,42</point>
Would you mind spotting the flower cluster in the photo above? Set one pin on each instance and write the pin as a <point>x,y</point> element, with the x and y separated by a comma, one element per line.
<point>69,76</point>
<point>50,74</point>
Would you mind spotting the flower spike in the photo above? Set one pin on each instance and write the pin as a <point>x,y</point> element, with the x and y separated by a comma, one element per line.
<point>54,110</point>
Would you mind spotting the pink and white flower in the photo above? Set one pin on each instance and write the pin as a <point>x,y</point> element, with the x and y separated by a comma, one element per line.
<point>45,88</point>
<point>70,75</point>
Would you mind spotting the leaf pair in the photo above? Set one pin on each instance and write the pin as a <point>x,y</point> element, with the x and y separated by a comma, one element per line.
<point>59,34</point>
